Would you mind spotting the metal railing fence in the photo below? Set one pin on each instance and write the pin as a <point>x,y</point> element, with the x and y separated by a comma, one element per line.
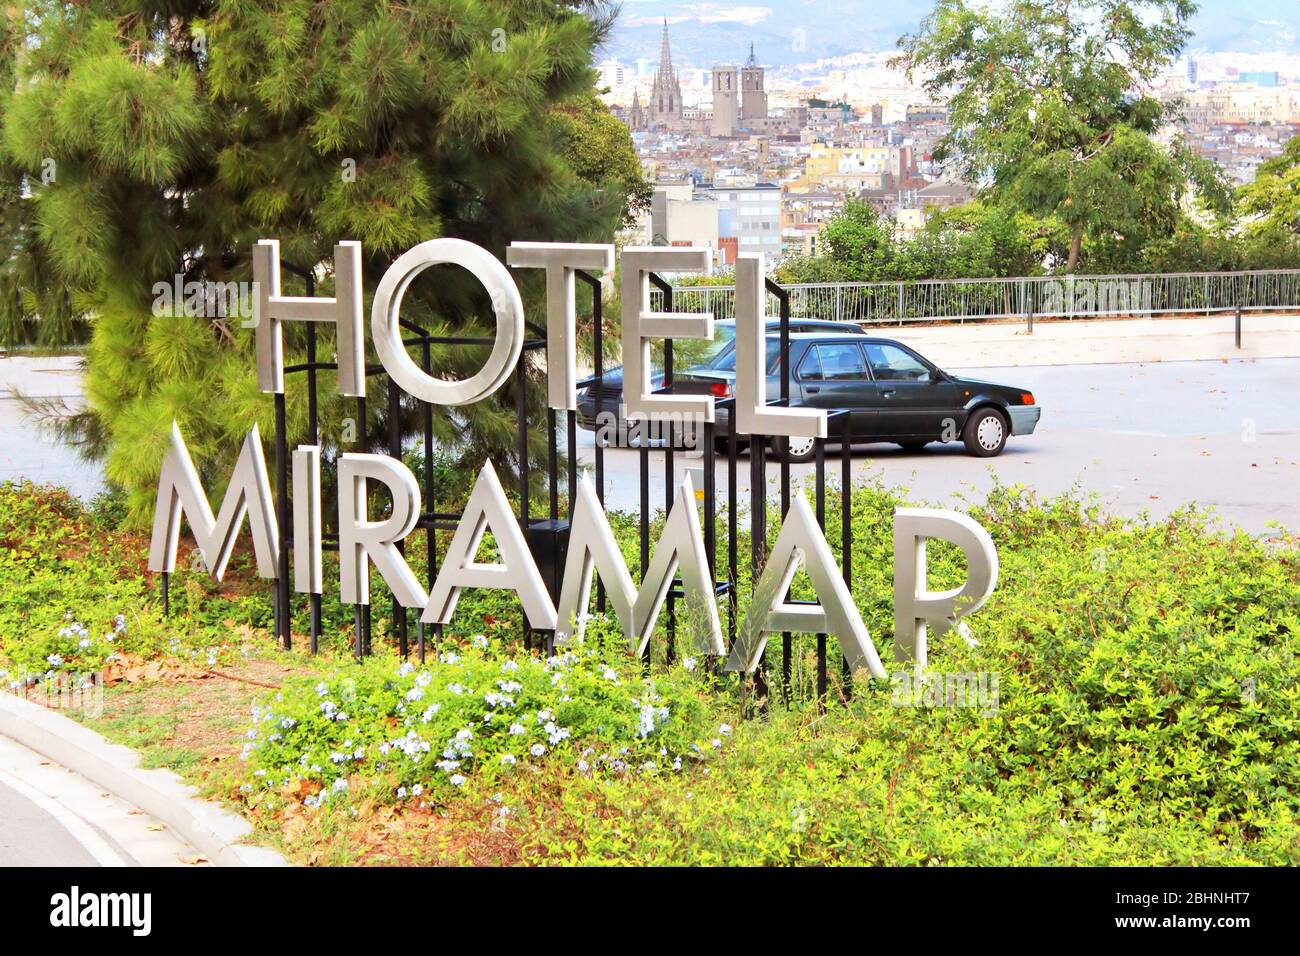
<point>961,300</point>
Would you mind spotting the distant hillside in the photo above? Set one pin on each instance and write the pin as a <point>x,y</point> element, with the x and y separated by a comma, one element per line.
<point>799,32</point>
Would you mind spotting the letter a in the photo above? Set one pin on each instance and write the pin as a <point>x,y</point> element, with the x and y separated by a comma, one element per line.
<point>801,542</point>
<point>488,510</point>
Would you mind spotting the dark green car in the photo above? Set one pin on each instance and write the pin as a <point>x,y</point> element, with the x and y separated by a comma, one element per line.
<point>892,393</point>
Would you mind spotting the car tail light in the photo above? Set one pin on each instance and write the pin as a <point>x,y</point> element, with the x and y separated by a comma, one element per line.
<point>1026,398</point>
<point>720,390</point>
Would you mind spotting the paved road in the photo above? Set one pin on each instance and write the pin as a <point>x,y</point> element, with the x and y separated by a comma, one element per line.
<point>1143,436</point>
<point>50,816</point>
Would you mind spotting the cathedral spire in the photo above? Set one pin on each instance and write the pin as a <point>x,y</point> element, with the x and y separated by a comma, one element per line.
<point>753,61</point>
<point>665,56</point>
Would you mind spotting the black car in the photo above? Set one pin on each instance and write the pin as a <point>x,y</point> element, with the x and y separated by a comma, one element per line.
<point>893,394</point>
<point>606,396</point>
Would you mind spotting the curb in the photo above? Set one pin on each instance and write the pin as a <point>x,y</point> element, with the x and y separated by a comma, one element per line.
<point>212,830</point>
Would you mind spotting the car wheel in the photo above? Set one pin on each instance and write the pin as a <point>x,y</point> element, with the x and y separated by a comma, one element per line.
<point>912,445</point>
<point>796,450</point>
<point>985,434</point>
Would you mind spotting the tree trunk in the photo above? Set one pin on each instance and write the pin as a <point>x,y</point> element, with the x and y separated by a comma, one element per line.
<point>1076,244</point>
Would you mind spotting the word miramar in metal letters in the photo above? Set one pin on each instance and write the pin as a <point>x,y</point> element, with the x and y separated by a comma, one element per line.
<point>680,550</point>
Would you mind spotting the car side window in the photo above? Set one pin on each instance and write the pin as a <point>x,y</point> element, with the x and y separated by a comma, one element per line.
<point>889,363</point>
<point>810,369</point>
<point>833,362</point>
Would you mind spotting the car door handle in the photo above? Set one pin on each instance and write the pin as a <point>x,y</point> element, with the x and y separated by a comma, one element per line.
<point>812,389</point>
<point>888,394</point>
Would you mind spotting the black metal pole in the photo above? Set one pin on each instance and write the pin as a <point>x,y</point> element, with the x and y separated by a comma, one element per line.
<point>282,519</point>
<point>758,540</point>
<point>644,523</point>
<point>362,614</point>
<point>521,410</point>
<point>598,351</point>
<point>821,523</point>
<point>430,532</point>
<point>668,441</point>
<point>733,598</point>
<point>572,441</point>
<point>395,449</point>
<point>846,525</point>
<point>553,462</point>
<point>313,429</point>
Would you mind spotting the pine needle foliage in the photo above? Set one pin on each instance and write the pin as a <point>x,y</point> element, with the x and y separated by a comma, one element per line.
<point>179,133</point>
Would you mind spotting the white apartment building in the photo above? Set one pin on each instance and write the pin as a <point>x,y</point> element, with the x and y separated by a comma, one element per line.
<point>751,214</point>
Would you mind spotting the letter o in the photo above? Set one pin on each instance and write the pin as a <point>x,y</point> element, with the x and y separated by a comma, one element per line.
<point>387,331</point>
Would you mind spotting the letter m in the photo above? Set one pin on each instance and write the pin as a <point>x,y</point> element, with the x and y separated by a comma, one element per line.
<point>249,493</point>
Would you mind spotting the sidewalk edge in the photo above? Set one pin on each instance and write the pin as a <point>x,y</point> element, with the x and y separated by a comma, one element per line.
<point>207,827</point>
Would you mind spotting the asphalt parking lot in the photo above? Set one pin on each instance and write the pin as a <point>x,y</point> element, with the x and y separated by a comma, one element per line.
<point>1142,436</point>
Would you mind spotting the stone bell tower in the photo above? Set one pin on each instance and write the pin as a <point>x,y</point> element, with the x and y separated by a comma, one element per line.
<point>726,101</point>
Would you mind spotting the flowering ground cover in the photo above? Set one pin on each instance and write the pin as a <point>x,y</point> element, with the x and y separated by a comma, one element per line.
<point>1139,704</point>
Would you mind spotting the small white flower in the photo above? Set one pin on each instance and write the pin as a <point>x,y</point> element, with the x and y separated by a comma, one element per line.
<point>537,749</point>
<point>456,779</point>
<point>724,729</point>
<point>689,663</point>
<point>508,760</point>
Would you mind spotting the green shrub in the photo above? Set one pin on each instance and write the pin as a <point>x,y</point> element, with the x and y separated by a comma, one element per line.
<point>477,711</point>
<point>75,598</point>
